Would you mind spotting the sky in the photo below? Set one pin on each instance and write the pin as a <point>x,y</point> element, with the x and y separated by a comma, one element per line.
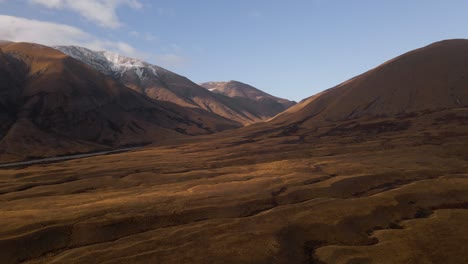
<point>292,49</point>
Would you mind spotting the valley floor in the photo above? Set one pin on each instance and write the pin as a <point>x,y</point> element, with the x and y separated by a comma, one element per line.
<point>387,197</point>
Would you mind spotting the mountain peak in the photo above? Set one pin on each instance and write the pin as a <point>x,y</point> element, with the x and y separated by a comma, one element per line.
<point>430,78</point>
<point>110,63</point>
<point>234,89</point>
<point>262,104</point>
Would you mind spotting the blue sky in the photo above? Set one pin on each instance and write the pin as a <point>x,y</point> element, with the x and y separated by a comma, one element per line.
<point>291,49</point>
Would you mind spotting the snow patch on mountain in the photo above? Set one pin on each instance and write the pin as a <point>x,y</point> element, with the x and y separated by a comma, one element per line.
<point>95,59</point>
<point>111,63</point>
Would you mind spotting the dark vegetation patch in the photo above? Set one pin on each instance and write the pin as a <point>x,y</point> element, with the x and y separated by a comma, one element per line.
<point>404,115</point>
<point>368,128</point>
<point>181,130</point>
<point>422,212</point>
<point>453,118</point>
<point>309,250</point>
<point>460,205</point>
<point>241,142</point>
<point>287,130</point>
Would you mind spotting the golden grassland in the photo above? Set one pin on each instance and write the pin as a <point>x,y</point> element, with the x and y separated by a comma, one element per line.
<point>370,193</point>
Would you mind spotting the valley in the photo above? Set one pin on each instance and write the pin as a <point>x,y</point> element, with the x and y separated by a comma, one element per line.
<point>269,200</point>
<point>373,170</point>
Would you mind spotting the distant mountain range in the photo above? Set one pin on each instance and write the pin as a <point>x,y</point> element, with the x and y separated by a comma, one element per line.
<point>163,85</point>
<point>257,102</point>
<point>68,99</point>
<point>63,100</point>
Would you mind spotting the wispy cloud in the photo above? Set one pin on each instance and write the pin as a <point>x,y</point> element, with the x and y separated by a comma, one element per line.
<point>171,57</point>
<point>170,60</point>
<point>101,12</point>
<point>147,36</point>
<point>49,33</point>
<point>28,30</point>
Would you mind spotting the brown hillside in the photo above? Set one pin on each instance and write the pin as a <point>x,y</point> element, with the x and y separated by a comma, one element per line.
<point>243,96</point>
<point>53,104</point>
<point>431,78</point>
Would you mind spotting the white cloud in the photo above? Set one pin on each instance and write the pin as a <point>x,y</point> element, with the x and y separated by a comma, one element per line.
<point>102,12</point>
<point>19,29</point>
<point>147,36</point>
<point>176,48</point>
<point>170,60</point>
<point>135,34</point>
<point>150,37</point>
<point>48,33</point>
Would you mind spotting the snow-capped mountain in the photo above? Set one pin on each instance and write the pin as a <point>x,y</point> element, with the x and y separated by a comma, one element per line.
<point>151,80</point>
<point>111,63</point>
<point>95,59</point>
<point>121,64</point>
<point>163,85</point>
<point>52,104</point>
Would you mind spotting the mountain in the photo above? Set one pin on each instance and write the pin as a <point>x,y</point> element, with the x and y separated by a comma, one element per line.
<point>430,79</point>
<point>373,170</point>
<point>52,104</point>
<point>161,84</point>
<point>261,104</point>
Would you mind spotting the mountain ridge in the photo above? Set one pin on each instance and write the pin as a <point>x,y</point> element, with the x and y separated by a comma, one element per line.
<point>161,84</point>
<point>264,105</point>
<point>431,77</point>
<point>54,104</point>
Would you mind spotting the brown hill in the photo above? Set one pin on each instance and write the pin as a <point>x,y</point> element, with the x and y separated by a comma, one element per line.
<point>427,79</point>
<point>52,104</point>
<point>262,105</point>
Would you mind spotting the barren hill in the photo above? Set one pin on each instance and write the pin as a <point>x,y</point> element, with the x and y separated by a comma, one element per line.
<point>427,79</point>
<point>259,103</point>
<point>53,104</point>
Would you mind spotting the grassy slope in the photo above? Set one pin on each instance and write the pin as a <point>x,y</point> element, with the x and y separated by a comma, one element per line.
<point>249,199</point>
